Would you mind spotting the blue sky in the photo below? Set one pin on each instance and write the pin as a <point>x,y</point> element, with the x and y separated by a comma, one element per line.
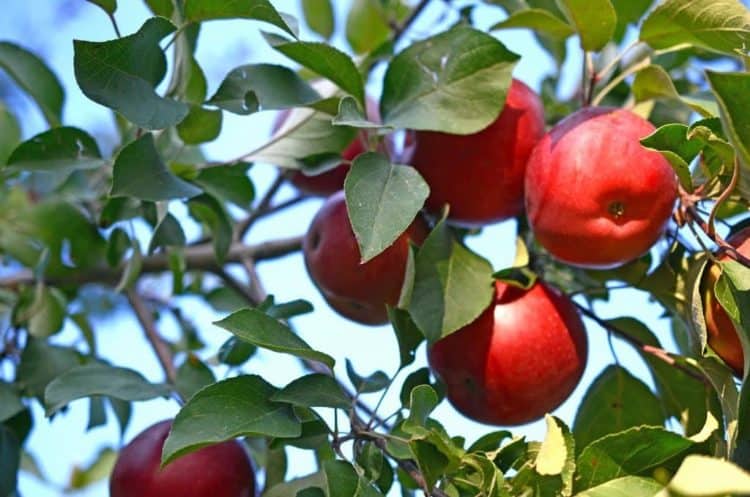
<point>62,443</point>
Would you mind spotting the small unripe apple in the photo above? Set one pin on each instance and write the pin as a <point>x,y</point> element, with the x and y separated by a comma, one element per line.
<point>595,197</point>
<point>722,336</point>
<point>356,291</point>
<point>220,470</point>
<point>481,175</point>
<point>521,358</point>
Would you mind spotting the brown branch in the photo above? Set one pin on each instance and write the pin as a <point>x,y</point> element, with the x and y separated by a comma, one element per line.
<point>263,205</point>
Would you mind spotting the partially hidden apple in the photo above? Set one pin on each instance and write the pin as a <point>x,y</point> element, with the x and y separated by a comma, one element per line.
<point>521,358</point>
<point>722,336</point>
<point>356,291</point>
<point>595,197</point>
<point>481,175</point>
<point>220,470</point>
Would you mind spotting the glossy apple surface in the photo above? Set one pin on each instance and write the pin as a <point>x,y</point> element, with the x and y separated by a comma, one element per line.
<point>221,470</point>
<point>595,197</point>
<point>722,336</point>
<point>481,175</point>
<point>356,291</point>
<point>521,358</point>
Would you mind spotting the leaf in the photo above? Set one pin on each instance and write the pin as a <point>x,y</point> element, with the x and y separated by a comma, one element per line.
<point>228,183</point>
<point>653,82</point>
<point>261,10</point>
<point>168,233</point>
<point>454,82</point>
<point>10,401</point>
<point>452,285</point>
<point>422,401</point>
<point>350,114</point>
<point>627,486</point>
<point>343,481</point>
<point>407,334</point>
<point>725,478</point>
<point>109,6</point>
<point>539,20</point>
<point>324,60</point>
<point>594,20</point>
<point>193,375</point>
<point>319,16</point>
<point>209,211</point>
<point>140,172</point>
<point>98,470</point>
<point>10,455</point>
<point>200,125</point>
<point>556,450</point>
<point>731,90</point>
<point>96,379</point>
<point>59,150</point>
<point>672,142</point>
<point>614,402</point>
<point>42,363</point>
<point>231,408</point>
<point>47,312</point>
<point>314,390</point>
<point>717,25</point>
<point>367,384</point>
<point>234,351</point>
<point>629,12</point>
<point>292,487</point>
<point>258,328</point>
<point>35,78</point>
<point>382,200</point>
<point>122,74</point>
<point>254,87</point>
<point>366,26</point>
<point>10,134</point>
<point>629,452</point>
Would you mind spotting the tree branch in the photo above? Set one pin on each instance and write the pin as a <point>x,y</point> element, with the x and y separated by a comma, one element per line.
<point>399,32</point>
<point>263,205</point>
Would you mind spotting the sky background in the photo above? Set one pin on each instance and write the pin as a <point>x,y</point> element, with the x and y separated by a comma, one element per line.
<point>48,27</point>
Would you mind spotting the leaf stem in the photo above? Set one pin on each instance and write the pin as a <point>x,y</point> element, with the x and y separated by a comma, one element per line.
<point>112,19</point>
<point>619,79</point>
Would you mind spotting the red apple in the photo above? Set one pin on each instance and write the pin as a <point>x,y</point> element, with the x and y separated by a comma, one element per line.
<point>521,358</point>
<point>595,197</point>
<point>481,175</point>
<point>221,470</point>
<point>332,180</point>
<point>722,336</point>
<point>354,290</point>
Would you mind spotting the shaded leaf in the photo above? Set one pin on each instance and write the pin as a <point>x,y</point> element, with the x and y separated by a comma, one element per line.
<point>10,401</point>
<point>319,16</point>
<point>200,125</point>
<point>167,234</point>
<point>192,375</point>
<point>732,93</point>
<point>367,384</point>
<point>261,10</point>
<point>228,183</point>
<point>539,20</point>
<point>594,20</point>
<point>314,390</point>
<point>366,26</point>
<point>60,150</point>
<point>42,363</point>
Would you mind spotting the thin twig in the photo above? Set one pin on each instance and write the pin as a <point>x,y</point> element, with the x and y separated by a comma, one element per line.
<point>399,32</point>
<point>244,226</point>
<point>114,24</point>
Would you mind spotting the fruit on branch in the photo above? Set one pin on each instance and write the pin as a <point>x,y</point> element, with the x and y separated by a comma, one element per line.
<point>354,290</point>
<point>595,197</point>
<point>481,175</point>
<point>722,336</point>
<point>332,180</point>
<point>221,470</point>
<point>521,358</point>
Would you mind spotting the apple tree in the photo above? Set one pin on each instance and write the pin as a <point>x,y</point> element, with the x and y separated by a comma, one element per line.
<point>637,180</point>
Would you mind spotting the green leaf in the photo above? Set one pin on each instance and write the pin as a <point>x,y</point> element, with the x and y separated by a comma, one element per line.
<point>407,334</point>
<point>208,210</point>
<point>228,183</point>
<point>629,452</point>
<point>162,8</point>
<point>47,312</point>
<point>167,234</point>
<point>122,74</point>
<point>97,379</point>
<point>10,401</point>
<point>140,172</point>
<point>703,476</point>
<point>109,6</point>
<point>261,10</point>
<point>717,25</point>
<point>314,390</point>
<point>452,285</point>
<point>595,21</point>
<point>234,351</point>
<point>731,90</point>
<point>454,82</point>
<point>290,309</point>
<point>35,78</point>
<point>614,402</point>
<point>367,384</point>
<point>193,375</point>
<point>539,20</point>
<point>319,16</point>
<point>350,114</point>
<point>253,87</point>
<point>10,455</point>
<point>366,26</point>
<point>262,330</point>
<point>60,150</point>
<point>627,486</point>
<point>422,401</point>
<point>231,408</point>
<point>672,142</point>
<point>292,487</point>
<point>325,61</point>
<point>42,363</point>
<point>343,481</point>
<point>200,125</point>
<point>653,82</point>
<point>382,200</point>
<point>99,469</point>
<point>556,450</point>
<point>10,134</point>
<point>629,12</point>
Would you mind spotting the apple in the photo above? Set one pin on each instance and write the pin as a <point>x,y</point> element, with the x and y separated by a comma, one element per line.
<point>521,358</point>
<point>356,291</point>
<point>220,470</point>
<point>722,336</point>
<point>481,175</point>
<point>595,197</point>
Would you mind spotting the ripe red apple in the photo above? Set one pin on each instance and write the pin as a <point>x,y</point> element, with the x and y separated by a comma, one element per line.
<point>722,336</point>
<point>521,358</point>
<point>595,197</point>
<point>354,290</point>
<point>221,470</point>
<point>481,175</point>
